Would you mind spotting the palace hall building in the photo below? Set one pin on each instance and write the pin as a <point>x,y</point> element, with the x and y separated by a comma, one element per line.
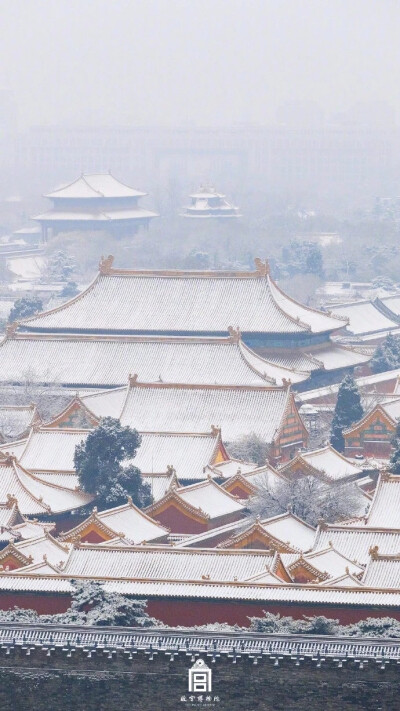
<point>94,202</point>
<point>278,339</point>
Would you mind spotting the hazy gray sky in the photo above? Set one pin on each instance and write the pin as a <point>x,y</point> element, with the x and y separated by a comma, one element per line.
<point>211,62</point>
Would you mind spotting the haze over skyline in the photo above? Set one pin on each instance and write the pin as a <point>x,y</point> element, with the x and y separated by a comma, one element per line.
<point>208,62</point>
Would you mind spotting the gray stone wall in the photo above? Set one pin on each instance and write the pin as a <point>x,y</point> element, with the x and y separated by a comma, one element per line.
<point>34,680</point>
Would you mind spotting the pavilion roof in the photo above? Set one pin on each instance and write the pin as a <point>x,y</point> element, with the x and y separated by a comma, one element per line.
<point>95,185</point>
<point>121,300</point>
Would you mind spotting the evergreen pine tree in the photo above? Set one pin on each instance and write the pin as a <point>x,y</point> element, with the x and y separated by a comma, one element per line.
<point>102,465</point>
<point>395,458</point>
<point>348,410</point>
<point>387,355</point>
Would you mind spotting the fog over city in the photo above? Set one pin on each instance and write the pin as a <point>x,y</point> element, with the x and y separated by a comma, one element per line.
<point>204,62</point>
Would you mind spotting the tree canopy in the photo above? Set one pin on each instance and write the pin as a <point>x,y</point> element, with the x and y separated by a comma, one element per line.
<point>102,464</point>
<point>387,355</point>
<point>25,307</point>
<point>348,410</point>
<point>307,497</point>
<point>91,605</point>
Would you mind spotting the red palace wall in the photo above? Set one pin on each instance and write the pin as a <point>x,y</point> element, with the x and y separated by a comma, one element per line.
<point>176,612</point>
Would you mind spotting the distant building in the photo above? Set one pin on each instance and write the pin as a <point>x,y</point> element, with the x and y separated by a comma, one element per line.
<point>95,201</point>
<point>208,203</point>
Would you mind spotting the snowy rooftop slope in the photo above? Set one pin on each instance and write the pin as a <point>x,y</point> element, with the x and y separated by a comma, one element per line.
<point>96,362</point>
<point>188,454</point>
<point>238,411</point>
<point>364,317</point>
<point>182,302</point>
<point>95,185</point>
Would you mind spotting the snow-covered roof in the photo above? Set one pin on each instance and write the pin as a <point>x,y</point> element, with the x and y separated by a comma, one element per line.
<point>207,590</point>
<point>105,403</point>
<point>355,543</point>
<point>364,317</point>
<point>121,300</point>
<point>290,529</point>
<point>383,572</point>
<point>231,467</point>
<point>164,563</point>
<point>392,408</point>
<point>33,495</point>
<point>392,303</point>
<point>385,508</point>
<point>328,462</point>
<point>51,450</point>
<point>207,497</point>
<point>329,356</point>
<point>84,361</point>
<point>188,454</point>
<point>159,484</point>
<point>95,185</point>
<point>331,562</point>
<point>37,548</point>
<point>16,420</point>
<point>237,410</point>
<point>124,521</point>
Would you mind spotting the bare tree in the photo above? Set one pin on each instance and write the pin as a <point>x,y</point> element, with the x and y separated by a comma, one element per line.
<point>308,497</point>
<point>250,448</point>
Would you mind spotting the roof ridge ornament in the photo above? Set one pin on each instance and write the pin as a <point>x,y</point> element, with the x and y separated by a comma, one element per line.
<point>262,268</point>
<point>105,264</point>
<point>11,329</point>
<point>234,334</point>
<point>133,379</point>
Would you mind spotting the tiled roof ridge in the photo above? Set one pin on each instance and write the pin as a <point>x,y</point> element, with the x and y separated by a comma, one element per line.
<point>78,337</point>
<point>135,383</point>
<point>261,271</point>
<point>170,550</point>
